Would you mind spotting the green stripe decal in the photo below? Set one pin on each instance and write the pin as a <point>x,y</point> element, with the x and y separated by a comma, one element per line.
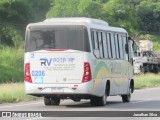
<point>101,70</point>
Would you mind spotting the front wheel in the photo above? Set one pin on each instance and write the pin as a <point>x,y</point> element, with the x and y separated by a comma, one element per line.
<point>127,98</point>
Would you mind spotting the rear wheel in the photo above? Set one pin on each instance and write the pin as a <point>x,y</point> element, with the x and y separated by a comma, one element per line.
<point>47,101</point>
<point>55,101</point>
<point>94,101</point>
<point>127,98</point>
<point>100,101</point>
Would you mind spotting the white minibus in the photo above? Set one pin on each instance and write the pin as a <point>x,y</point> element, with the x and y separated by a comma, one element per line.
<point>77,58</point>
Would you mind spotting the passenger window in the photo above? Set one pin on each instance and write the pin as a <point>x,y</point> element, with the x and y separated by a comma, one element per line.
<point>100,44</point>
<point>92,38</point>
<point>95,44</point>
<point>121,49</point>
<point>109,46</point>
<point>105,48</point>
<point>116,41</point>
<point>124,40</point>
<point>96,40</point>
<point>112,45</point>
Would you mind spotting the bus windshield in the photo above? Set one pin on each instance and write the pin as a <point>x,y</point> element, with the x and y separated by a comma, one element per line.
<point>57,37</point>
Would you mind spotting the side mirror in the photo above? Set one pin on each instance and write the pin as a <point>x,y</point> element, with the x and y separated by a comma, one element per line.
<point>129,38</point>
<point>126,48</point>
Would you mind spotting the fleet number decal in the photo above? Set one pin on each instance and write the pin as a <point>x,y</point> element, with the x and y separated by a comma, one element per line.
<point>38,73</point>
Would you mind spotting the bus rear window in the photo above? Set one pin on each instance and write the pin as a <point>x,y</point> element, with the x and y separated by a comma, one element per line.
<point>57,37</point>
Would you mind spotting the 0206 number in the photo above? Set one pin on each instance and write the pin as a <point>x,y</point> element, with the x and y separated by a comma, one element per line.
<point>38,73</point>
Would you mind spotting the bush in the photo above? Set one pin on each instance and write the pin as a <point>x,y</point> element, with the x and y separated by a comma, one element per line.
<point>11,65</point>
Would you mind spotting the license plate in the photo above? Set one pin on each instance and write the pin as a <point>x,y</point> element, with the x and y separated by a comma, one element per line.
<point>57,89</point>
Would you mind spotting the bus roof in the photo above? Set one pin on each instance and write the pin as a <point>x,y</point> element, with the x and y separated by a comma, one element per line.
<point>92,23</point>
<point>77,20</point>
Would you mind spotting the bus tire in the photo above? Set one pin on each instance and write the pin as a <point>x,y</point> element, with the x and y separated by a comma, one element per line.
<point>55,101</point>
<point>102,100</point>
<point>94,101</point>
<point>47,101</point>
<point>127,98</point>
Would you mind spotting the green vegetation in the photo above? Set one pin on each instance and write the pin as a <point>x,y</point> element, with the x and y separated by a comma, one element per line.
<point>140,17</point>
<point>13,93</point>
<point>11,65</point>
<point>156,42</point>
<point>136,16</point>
<point>147,80</point>
<point>13,22</point>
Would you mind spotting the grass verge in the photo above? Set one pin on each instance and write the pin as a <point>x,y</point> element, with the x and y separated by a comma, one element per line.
<point>147,80</point>
<point>13,92</point>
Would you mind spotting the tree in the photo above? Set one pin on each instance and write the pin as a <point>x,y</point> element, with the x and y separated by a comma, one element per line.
<point>74,8</point>
<point>15,15</point>
<point>89,8</point>
<point>120,13</point>
<point>39,8</point>
<point>12,22</point>
<point>148,15</point>
<point>63,8</point>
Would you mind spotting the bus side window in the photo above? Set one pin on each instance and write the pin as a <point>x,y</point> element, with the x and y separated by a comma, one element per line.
<point>109,45</point>
<point>124,40</point>
<point>92,38</point>
<point>100,44</point>
<point>113,45</point>
<point>105,47</point>
<point>121,50</point>
<point>95,44</point>
<point>116,42</point>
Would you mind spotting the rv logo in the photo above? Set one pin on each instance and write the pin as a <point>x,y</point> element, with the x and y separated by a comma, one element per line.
<point>51,61</point>
<point>45,61</point>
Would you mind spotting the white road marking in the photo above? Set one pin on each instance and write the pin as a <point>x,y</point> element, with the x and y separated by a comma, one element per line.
<point>20,105</point>
<point>38,118</point>
<point>141,101</point>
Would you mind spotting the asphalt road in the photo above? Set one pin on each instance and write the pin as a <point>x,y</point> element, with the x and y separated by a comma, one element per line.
<point>142,101</point>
